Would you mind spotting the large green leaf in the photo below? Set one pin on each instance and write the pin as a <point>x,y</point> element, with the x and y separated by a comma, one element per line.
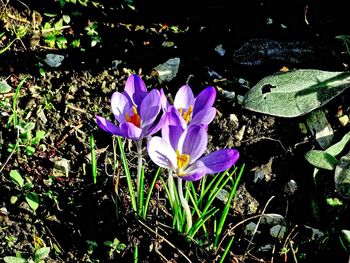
<point>326,159</point>
<point>295,93</point>
<point>321,159</point>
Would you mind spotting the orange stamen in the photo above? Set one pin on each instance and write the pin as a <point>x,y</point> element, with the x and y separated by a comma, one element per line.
<point>134,118</point>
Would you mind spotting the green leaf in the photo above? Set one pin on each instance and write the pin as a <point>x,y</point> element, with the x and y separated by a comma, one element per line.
<point>50,40</point>
<point>42,71</point>
<point>14,260</point>
<point>321,159</point>
<point>4,87</point>
<point>32,200</point>
<point>338,147</point>
<point>41,253</point>
<point>30,150</point>
<point>17,178</point>
<point>40,134</point>
<point>295,93</point>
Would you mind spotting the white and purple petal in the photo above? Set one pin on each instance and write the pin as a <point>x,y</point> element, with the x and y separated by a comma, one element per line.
<point>172,118</point>
<point>164,101</point>
<point>153,128</point>
<point>108,126</point>
<point>135,89</point>
<point>204,99</point>
<point>194,175</point>
<point>161,153</point>
<point>150,108</point>
<point>120,106</point>
<point>204,116</point>
<point>218,161</point>
<point>184,98</point>
<point>193,142</point>
<point>129,130</point>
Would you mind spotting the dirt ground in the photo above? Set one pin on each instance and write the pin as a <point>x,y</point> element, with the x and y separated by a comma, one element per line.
<point>76,216</point>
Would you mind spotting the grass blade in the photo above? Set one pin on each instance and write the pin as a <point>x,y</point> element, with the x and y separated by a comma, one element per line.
<point>127,173</point>
<point>151,187</point>
<point>93,158</point>
<point>227,207</point>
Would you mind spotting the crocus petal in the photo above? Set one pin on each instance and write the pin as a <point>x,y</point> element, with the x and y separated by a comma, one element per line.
<point>193,142</point>
<point>135,89</point>
<point>120,106</point>
<point>184,98</point>
<point>161,153</point>
<point>204,99</point>
<point>204,116</point>
<point>150,108</point>
<point>175,133</point>
<point>218,161</point>
<point>152,129</point>
<point>172,118</point>
<point>129,130</point>
<point>108,126</point>
<point>164,101</point>
<point>194,175</point>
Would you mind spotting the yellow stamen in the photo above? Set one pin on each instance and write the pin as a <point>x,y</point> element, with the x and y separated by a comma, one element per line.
<point>134,118</point>
<point>187,114</point>
<point>180,110</point>
<point>182,160</point>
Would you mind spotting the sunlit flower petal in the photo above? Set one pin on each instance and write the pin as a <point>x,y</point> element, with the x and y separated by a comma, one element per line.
<point>193,142</point>
<point>184,98</point>
<point>129,130</point>
<point>135,89</point>
<point>204,99</point>
<point>204,116</point>
<point>193,175</point>
<point>218,161</point>
<point>163,100</point>
<point>150,108</point>
<point>120,106</point>
<point>108,126</point>
<point>172,118</point>
<point>161,153</point>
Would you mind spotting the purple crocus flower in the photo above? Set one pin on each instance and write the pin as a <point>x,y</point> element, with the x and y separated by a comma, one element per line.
<point>192,110</point>
<point>135,109</point>
<point>181,149</point>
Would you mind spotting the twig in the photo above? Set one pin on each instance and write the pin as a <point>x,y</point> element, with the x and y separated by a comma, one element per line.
<point>163,238</point>
<point>8,159</point>
<point>230,231</point>
<point>72,107</point>
<point>256,227</point>
<point>266,138</point>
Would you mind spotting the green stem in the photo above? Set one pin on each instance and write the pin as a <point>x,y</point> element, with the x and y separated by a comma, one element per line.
<point>139,175</point>
<point>171,187</point>
<point>185,205</point>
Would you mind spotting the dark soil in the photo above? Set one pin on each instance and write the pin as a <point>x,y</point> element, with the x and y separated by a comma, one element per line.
<point>74,211</point>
